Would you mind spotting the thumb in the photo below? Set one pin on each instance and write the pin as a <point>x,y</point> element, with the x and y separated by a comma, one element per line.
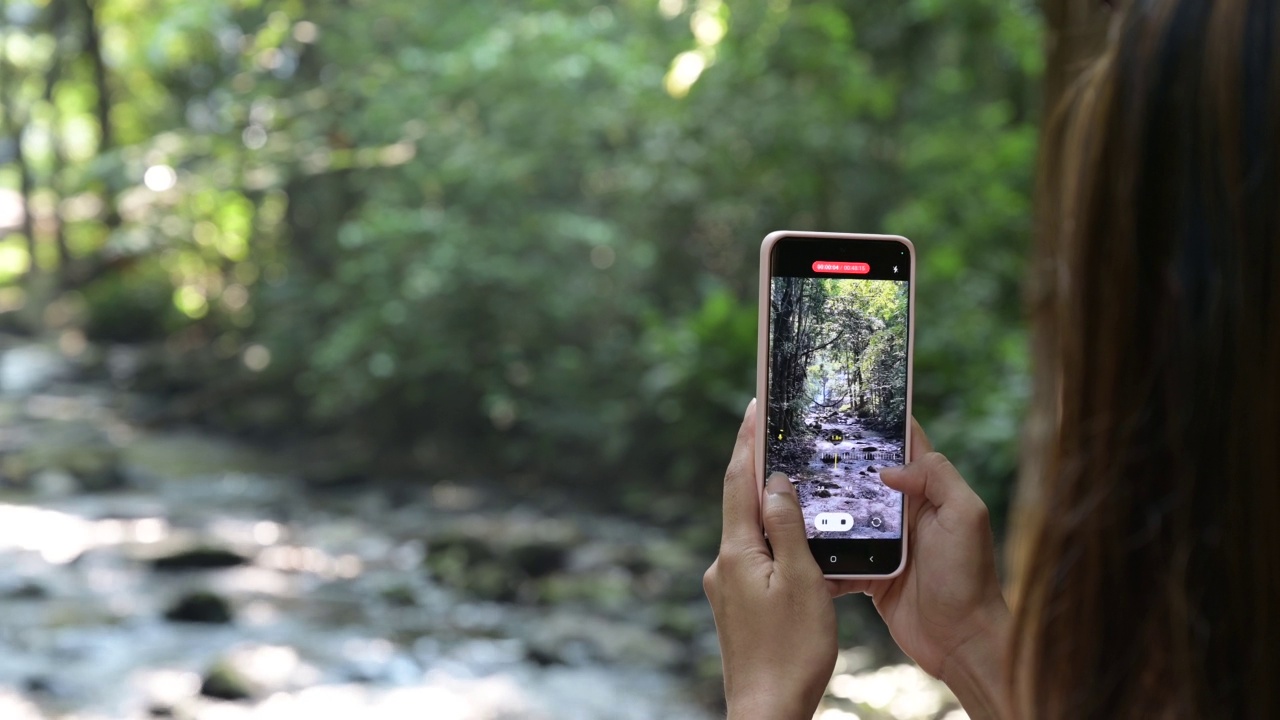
<point>905,479</point>
<point>933,477</point>
<point>784,523</point>
<point>902,479</point>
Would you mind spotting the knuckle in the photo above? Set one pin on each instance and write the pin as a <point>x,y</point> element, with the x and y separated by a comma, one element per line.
<point>709,579</point>
<point>732,563</point>
<point>980,512</point>
<point>980,507</point>
<point>732,472</point>
<point>784,520</point>
<point>725,564</point>
<point>782,512</point>
<point>936,461</point>
<point>738,468</point>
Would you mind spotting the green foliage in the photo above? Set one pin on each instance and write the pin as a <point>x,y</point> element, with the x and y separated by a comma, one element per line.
<point>528,231</point>
<point>865,343</point>
<point>698,369</point>
<point>132,305</point>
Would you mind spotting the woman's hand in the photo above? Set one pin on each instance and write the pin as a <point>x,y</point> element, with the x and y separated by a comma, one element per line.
<point>946,610</point>
<point>775,618</point>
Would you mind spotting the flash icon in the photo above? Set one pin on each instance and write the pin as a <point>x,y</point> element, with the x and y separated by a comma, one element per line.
<point>895,269</point>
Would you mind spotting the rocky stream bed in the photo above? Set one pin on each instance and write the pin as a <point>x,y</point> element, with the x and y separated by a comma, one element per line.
<point>166,572</point>
<point>842,476</point>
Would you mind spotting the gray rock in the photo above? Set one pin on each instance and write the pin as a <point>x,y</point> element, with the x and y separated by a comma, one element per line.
<point>53,483</point>
<point>45,686</point>
<point>74,447</point>
<point>578,639</point>
<point>225,682</point>
<point>11,413</point>
<point>27,590</point>
<point>184,455</point>
<point>401,595</point>
<point>494,559</point>
<point>30,368</point>
<point>538,558</point>
<point>198,558</point>
<point>200,607</point>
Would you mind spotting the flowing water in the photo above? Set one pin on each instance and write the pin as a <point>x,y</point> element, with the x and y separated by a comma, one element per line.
<point>842,476</point>
<point>319,605</point>
<point>169,573</point>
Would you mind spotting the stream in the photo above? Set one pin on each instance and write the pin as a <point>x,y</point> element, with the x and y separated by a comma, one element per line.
<point>150,573</point>
<point>842,476</point>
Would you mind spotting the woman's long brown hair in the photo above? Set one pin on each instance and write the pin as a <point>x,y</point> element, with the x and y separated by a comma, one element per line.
<point>1148,524</point>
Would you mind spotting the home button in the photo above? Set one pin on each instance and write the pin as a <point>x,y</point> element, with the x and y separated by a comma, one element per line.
<point>833,558</point>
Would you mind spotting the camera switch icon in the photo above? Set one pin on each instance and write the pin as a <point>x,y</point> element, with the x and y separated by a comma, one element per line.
<point>833,522</point>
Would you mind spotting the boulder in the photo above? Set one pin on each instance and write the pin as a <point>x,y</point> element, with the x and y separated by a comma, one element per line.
<point>198,558</point>
<point>187,454</point>
<point>538,558</point>
<point>577,639</point>
<point>74,447</point>
<point>614,589</point>
<point>53,483</point>
<point>400,596</point>
<point>224,682</point>
<point>682,622</point>
<point>493,559</point>
<point>28,369</point>
<point>200,607</point>
<point>26,590</point>
<point>47,687</point>
<point>544,657</point>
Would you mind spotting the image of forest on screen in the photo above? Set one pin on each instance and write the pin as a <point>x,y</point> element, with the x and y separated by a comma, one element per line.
<point>838,398</point>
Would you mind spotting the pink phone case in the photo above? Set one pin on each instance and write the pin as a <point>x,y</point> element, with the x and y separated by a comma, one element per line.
<point>762,363</point>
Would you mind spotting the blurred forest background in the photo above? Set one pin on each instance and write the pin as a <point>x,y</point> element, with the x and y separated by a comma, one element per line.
<point>524,233</point>
<point>517,241</point>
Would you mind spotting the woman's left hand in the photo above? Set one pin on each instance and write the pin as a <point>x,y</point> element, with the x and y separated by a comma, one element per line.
<point>774,614</point>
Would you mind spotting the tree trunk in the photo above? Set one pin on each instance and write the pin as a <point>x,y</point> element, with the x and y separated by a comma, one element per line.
<point>783,310</point>
<point>55,178</point>
<point>93,48</point>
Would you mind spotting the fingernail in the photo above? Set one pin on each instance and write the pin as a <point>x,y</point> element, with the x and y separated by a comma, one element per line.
<point>889,473</point>
<point>751,406</point>
<point>777,484</point>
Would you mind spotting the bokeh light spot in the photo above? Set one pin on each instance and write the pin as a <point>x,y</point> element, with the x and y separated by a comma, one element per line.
<point>257,357</point>
<point>159,178</point>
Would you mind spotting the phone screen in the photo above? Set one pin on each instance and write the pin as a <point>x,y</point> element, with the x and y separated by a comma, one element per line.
<point>838,392</point>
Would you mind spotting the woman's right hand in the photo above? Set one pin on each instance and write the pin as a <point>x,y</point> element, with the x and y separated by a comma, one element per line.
<point>946,610</point>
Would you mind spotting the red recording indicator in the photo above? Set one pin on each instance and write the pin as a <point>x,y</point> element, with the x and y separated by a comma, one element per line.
<point>844,268</point>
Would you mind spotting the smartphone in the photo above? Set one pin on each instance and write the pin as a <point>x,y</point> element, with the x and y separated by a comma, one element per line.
<point>837,313</point>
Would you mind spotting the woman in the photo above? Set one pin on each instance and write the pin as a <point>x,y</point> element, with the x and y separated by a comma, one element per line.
<point>1146,562</point>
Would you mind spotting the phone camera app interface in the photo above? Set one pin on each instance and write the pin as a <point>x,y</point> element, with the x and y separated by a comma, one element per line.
<point>837,397</point>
